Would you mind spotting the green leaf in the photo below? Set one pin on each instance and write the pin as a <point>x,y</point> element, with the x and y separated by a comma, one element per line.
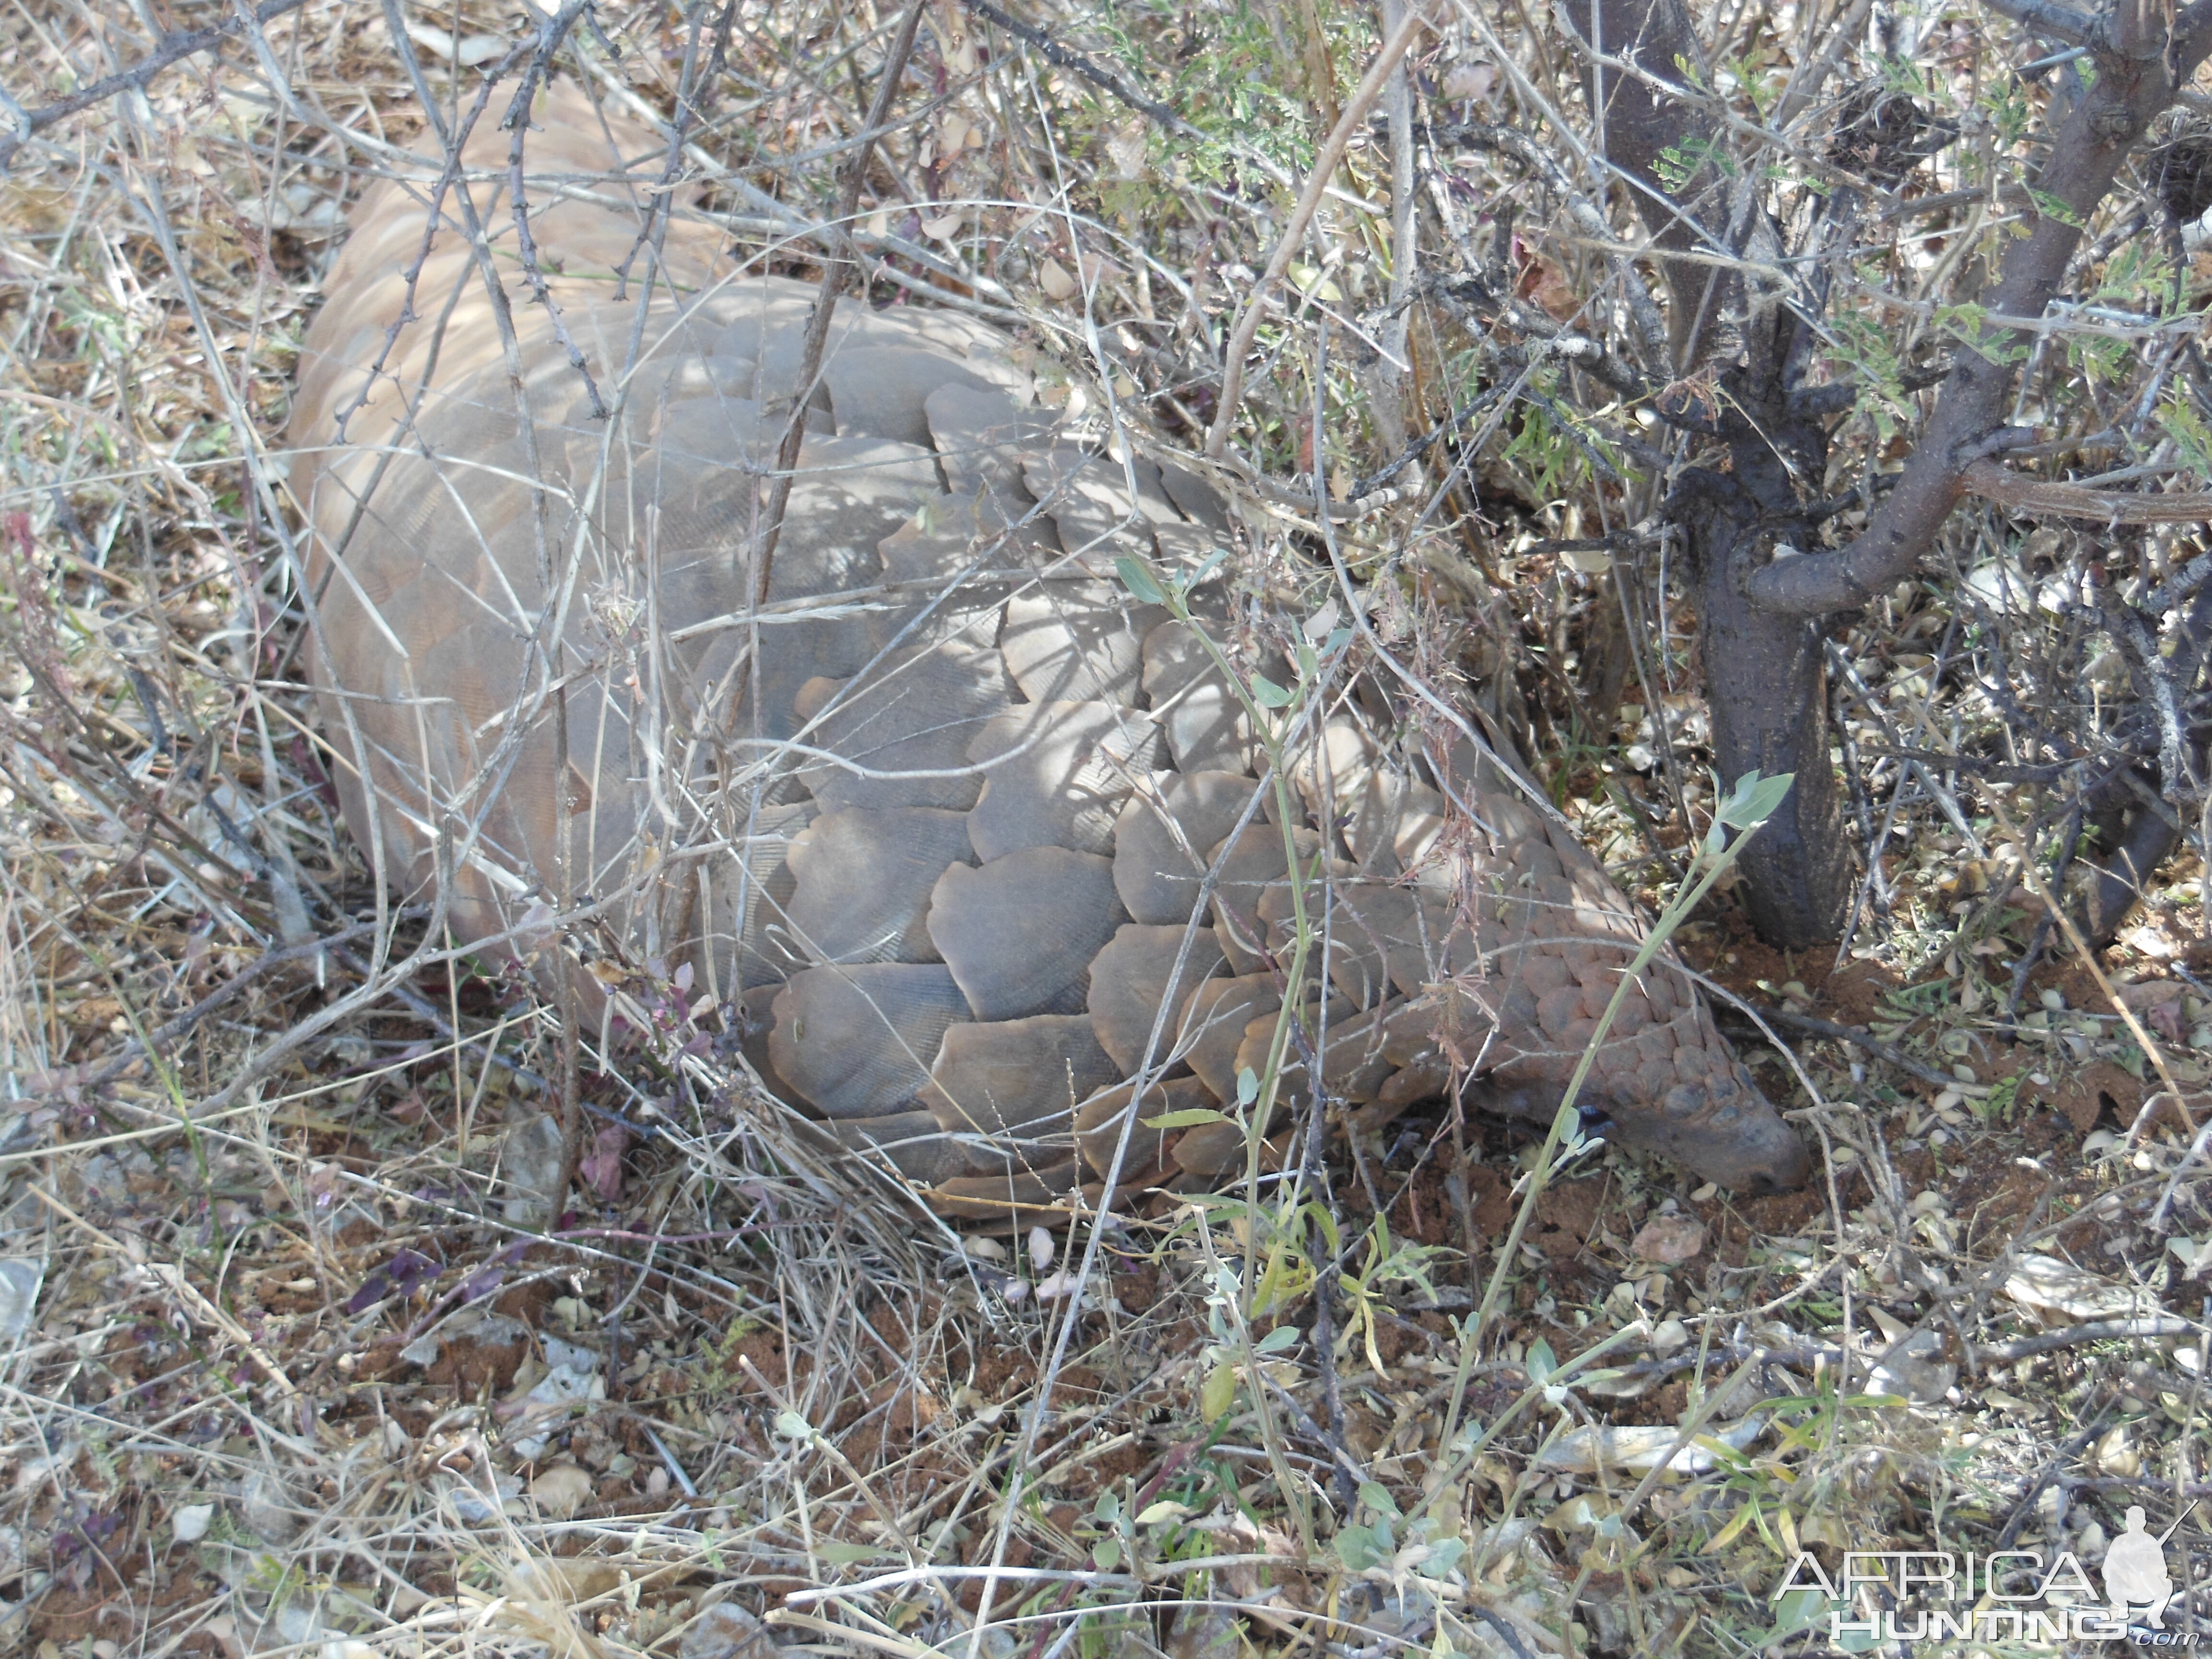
<point>1267,694</point>
<point>2050,207</point>
<point>1282,1337</point>
<point>1856,1641</point>
<point>1970,324</point>
<point>792,1426</point>
<point>1319,1216</point>
<point>1248,1085</point>
<point>1189,1118</point>
<point>1378,1499</point>
<point>1755,799</point>
<point>840,1552</point>
<point>1106,1552</point>
<point>1540,1360</point>
<point>1207,566</point>
<point>1166,1510</point>
<point>2190,431</point>
<point>1798,1609</point>
<point>1360,1547</point>
<point>1217,1393</point>
<point>1137,576</point>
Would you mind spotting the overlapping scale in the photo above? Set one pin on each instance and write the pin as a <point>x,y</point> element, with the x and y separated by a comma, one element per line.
<point>864,880</point>
<point>1056,775</point>
<point>1018,934</point>
<point>858,1041</point>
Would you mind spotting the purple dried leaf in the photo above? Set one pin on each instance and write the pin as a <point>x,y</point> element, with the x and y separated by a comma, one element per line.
<point>602,1167</point>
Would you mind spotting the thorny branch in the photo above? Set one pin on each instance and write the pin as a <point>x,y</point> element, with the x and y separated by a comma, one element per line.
<point>1065,58</point>
<point>174,48</point>
<point>551,34</point>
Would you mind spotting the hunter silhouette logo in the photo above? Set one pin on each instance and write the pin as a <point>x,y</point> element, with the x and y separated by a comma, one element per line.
<point>2005,1595</point>
<point>2134,1571</point>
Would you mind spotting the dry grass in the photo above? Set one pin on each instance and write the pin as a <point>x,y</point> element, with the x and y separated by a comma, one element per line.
<point>287,1363</point>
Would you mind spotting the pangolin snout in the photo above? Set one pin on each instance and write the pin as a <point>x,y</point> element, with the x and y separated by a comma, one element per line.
<point>1726,1131</point>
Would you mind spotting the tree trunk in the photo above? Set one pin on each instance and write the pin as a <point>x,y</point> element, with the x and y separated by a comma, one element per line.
<point>1636,126</point>
<point>1766,676</point>
<point>1766,685</point>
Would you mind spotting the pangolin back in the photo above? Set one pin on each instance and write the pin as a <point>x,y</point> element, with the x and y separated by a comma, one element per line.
<point>963,835</point>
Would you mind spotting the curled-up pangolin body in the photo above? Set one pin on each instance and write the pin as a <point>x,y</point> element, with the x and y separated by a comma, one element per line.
<point>935,825</point>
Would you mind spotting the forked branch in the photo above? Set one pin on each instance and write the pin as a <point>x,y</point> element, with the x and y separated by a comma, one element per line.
<point>2132,88</point>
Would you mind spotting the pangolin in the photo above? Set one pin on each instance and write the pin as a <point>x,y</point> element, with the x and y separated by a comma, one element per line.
<point>968,837</point>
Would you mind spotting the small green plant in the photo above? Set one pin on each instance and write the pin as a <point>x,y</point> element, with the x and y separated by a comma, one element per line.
<point>1678,164</point>
<point>1904,77</point>
<point>2183,422</point>
<point>1388,1262</point>
<point>1427,1546</point>
<point>2136,275</point>
<point>2005,101</point>
<point>1556,447</point>
<point>2102,360</point>
<point>1997,1106</point>
<point>1759,78</point>
<point>1231,83</point>
<point>1970,325</point>
<point>1861,346</point>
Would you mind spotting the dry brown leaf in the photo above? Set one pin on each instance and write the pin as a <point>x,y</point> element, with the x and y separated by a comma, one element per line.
<point>1464,81</point>
<point>562,1490</point>
<point>1670,1238</point>
<point>1545,284</point>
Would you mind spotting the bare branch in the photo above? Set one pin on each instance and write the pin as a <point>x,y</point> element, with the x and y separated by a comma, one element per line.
<point>2072,500</point>
<point>2045,17</point>
<point>551,34</point>
<point>836,273</point>
<point>1074,62</point>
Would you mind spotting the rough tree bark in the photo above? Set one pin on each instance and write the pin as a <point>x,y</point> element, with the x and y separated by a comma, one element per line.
<point>1766,675</point>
